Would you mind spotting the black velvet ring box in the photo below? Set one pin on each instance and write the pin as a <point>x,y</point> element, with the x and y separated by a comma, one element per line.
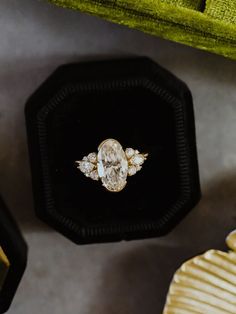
<point>141,105</point>
<point>13,257</point>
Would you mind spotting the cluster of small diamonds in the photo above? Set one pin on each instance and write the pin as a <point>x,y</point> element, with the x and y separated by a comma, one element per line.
<point>88,165</point>
<point>135,160</point>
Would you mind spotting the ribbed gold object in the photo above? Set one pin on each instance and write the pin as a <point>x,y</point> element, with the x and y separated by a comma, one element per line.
<point>205,284</point>
<point>4,266</point>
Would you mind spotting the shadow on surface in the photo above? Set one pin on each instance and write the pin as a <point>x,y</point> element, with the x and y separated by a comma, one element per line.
<point>137,282</point>
<point>215,216</point>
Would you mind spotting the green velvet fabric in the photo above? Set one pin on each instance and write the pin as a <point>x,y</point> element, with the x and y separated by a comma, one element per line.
<point>224,10</point>
<point>190,4</point>
<point>212,29</point>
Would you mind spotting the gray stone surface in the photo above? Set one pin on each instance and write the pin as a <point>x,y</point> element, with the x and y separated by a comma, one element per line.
<point>35,38</point>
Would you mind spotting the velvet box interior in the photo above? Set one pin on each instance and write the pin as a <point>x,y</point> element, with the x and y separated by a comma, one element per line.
<point>141,105</point>
<point>13,257</point>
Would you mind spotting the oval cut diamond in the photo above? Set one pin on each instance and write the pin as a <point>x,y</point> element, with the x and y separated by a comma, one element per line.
<point>112,165</point>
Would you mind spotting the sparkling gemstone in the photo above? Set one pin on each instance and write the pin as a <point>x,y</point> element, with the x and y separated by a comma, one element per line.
<point>92,157</point>
<point>86,166</point>
<point>94,175</point>
<point>138,168</point>
<point>137,160</point>
<point>129,152</point>
<point>112,165</point>
<point>132,170</point>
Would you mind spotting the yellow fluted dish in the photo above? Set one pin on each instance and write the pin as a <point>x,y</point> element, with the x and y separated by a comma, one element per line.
<point>205,284</point>
<point>4,266</point>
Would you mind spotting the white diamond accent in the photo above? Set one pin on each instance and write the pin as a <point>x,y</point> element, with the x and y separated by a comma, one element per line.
<point>138,168</point>
<point>137,160</point>
<point>86,167</point>
<point>94,175</point>
<point>129,152</point>
<point>92,157</point>
<point>132,170</point>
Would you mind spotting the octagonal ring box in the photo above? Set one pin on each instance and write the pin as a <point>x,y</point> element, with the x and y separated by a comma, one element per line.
<point>13,257</point>
<point>141,105</point>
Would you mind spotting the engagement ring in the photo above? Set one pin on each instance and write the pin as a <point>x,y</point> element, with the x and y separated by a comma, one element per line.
<point>112,164</point>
